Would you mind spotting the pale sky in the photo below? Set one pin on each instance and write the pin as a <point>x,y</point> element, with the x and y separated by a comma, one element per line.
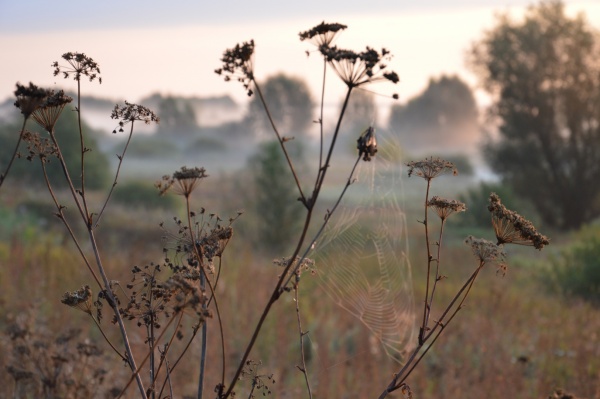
<point>174,46</point>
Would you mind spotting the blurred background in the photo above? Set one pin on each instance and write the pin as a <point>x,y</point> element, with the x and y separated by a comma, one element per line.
<point>507,90</point>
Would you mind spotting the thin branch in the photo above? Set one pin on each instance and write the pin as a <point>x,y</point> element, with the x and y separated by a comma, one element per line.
<point>116,177</point>
<point>14,154</point>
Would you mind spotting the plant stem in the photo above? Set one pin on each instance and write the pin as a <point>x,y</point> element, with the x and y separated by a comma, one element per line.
<point>301,334</point>
<point>14,154</point>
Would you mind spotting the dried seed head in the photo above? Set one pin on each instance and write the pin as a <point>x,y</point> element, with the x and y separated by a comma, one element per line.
<point>357,69</point>
<point>486,251</point>
<point>184,181</point>
<point>367,144</point>
<point>80,299</point>
<point>39,147</point>
<point>47,114</point>
<point>446,207</point>
<point>29,98</point>
<point>430,168</point>
<point>237,62</point>
<point>130,113</point>
<point>512,228</point>
<point>322,34</point>
<point>78,64</point>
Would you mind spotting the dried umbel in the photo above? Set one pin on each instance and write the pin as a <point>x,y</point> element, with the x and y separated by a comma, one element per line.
<point>29,98</point>
<point>357,69</point>
<point>130,113</point>
<point>367,144</point>
<point>80,299</point>
<point>431,168</point>
<point>322,34</point>
<point>445,207</point>
<point>79,65</point>
<point>512,228</point>
<point>184,181</point>
<point>486,251</point>
<point>39,147</point>
<point>237,62</point>
<point>149,297</point>
<point>46,115</point>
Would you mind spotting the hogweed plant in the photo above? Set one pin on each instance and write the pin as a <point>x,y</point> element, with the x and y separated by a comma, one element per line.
<point>184,285</point>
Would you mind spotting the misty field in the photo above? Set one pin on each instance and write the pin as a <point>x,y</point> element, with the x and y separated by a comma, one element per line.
<point>514,338</point>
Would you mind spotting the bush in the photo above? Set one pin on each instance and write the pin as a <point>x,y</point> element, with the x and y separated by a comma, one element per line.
<point>576,272</point>
<point>140,194</point>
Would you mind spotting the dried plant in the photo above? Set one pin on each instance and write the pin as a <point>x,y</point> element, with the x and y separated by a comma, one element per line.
<point>184,284</point>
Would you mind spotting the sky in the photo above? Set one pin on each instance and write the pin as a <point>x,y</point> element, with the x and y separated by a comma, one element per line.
<point>174,46</point>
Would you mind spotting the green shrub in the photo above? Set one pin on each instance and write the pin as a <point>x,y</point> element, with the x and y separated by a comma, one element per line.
<point>576,271</point>
<point>141,194</point>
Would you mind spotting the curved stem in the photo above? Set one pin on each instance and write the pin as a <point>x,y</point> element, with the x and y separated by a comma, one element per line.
<point>437,268</point>
<point>426,308</point>
<point>281,142</point>
<point>118,318</point>
<point>67,175</point>
<point>278,286</point>
<point>14,154</point>
<point>83,151</point>
<point>61,216</point>
<point>116,177</point>
<point>301,334</point>
<point>106,339</point>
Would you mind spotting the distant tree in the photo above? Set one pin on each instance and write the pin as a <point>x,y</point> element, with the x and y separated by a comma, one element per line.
<point>443,118</point>
<point>97,168</point>
<point>290,105</point>
<point>177,117</point>
<point>544,74</point>
<point>361,112</point>
<point>275,199</point>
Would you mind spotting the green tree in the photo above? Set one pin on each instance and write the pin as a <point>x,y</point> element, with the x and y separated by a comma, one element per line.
<point>177,116</point>
<point>544,74</point>
<point>275,199</point>
<point>443,118</point>
<point>97,167</point>
<point>290,105</point>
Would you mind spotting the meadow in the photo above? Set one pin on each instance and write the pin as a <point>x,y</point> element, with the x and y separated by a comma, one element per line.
<point>378,292</point>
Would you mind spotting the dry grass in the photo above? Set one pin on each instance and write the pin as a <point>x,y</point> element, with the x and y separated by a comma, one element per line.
<point>512,340</point>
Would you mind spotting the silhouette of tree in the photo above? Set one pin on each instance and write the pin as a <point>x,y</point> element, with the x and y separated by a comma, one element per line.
<point>97,169</point>
<point>444,118</point>
<point>290,105</point>
<point>545,76</point>
<point>361,112</point>
<point>177,116</point>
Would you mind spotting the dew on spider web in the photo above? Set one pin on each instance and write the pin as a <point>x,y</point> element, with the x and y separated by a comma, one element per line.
<point>362,257</point>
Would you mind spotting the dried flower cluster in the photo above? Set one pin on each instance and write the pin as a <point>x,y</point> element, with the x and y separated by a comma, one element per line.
<point>322,34</point>
<point>305,265</point>
<point>446,207</point>
<point>184,181</point>
<point>148,303</point>
<point>367,144</point>
<point>46,115</point>
<point>486,251</point>
<point>512,228</point>
<point>80,299</point>
<point>29,98</point>
<point>130,113</point>
<point>39,147</point>
<point>79,65</point>
<point>431,168</point>
<point>208,240</point>
<point>356,69</point>
<point>237,62</point>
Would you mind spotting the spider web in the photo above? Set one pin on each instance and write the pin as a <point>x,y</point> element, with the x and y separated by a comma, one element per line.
<point>362,256</point>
